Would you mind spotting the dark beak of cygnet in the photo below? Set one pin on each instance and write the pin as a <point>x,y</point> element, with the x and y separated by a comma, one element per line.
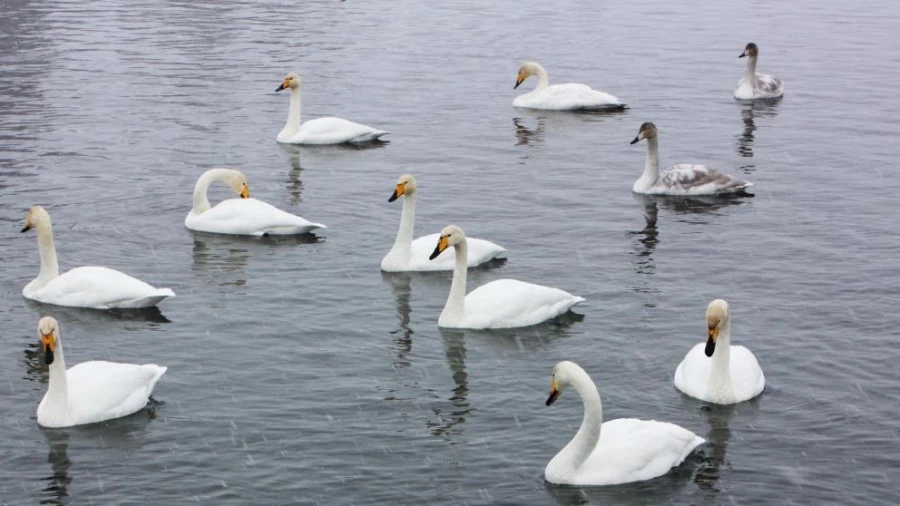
<point>637,139</point>
<point>26,229</point>
<point>743,54</point>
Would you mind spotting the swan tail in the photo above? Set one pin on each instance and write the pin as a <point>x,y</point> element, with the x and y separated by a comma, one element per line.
<point>150,300</point>
<point>369,137</point>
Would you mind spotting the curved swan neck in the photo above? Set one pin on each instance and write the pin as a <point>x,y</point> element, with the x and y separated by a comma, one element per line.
<point>201,201</point>
<point>582,445</point>
<point>58,388</point>
<point>651,166</point>
<point>293,120</point>
<point>49,263</point>
<point>456,301</point>
<point>403,243</point>
<point>750,73</point>
<point>543,79</point>
<point>720,373</point>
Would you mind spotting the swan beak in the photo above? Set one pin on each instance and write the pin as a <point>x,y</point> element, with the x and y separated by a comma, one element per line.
<point>743,54</point>
<point>519,79</point>
<point>554,392</point>
<point>284,84</point>
<point>637,139</point>
<point>245,192</point>
<point>711,340</point>
<point>442,244</point>
<point>26,229</point>
<point>49,346</point>
<point>398,192</point>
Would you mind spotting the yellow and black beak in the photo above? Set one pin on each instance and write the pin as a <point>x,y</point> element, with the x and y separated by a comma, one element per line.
<point>713,334</point>
<point>49,346</point>
<point>519,79</point>
<point>443,243</point>
<point>26,229</point>
<point>398,192</point>
<point>284,84</point>
<point>554,392</point>
<point>245,191</point>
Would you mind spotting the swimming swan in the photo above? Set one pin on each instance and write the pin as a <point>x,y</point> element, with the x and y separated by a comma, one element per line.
<point>681,179</point>
<point>505,303</point>
<point>328,130</point>
<point>91,287</point>
<point>753,85</point>
<point>561,97</point>
<point>243,216</point>
<point>412,255</point>
<point>618,451</point>
<point>92,391</point>
<point>718,372</point>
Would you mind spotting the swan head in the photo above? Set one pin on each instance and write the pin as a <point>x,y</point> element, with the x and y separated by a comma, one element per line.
<point>291,81</point>
<point>37,216</point>
<point>564,375</point>
<point>717,317</point>
<point>238,182</point>
<point>647,131</point>
<point>450,236</point>
<point>526,70</point>
<point>406,185</point>
<point>48,329</point>
<point>750,50</point>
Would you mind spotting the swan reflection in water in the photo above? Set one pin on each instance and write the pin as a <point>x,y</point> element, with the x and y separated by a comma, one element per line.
<point>400,286</point>
<point>223,258</point>
<point>526,136</point>
<point>294,183</point>
<point>750,111</point>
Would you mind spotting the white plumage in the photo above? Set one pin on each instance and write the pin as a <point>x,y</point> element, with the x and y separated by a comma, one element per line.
<point>561,97</point>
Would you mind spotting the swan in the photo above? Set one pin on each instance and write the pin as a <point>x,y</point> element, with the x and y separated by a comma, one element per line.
<point>505,303</point>
<point>681,179</point>
<point>243,216</point>
<point>412,255</point>
<point>753,85</point>
<point>718,372</point>
<point>91,287</point>
<point>91,391</point>
<point>561,97</point>
<point>618,451</point>
<point>328,130</point>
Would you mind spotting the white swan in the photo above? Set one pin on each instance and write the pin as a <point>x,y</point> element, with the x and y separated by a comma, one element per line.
<point>409,255</point>
<point>243,216</point>
<point>618,451</point>
<point>505,303</point>
<point>682,179</point>
<point>92,391</point>
<point>91,287</point>
<point>561,97</point>
<point>752,85</point>
<point>718,372</point>
<point>328,130</point>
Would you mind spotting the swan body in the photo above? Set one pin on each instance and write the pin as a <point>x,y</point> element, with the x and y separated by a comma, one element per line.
<point>615,452</point>
<point>328,130</point>
<point>240,216</point>
<point>561,97</point>
<point>682,179</point>
<point>717,371</point>
<point>93,391</point>
<point>412,255</point>
<point>505,303</point>
<point>89,287</point>
<point>753,85</point>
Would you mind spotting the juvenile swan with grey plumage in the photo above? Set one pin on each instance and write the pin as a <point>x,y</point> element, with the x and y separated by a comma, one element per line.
<point>92,391</point>
<point>90,287</point>
<point>240,216</point>
<point>716,371</point>
<point>682,179</point>
<point>328,130</point>
<point>618,451</point>
<point>753,85</point>
<point>505,303</point>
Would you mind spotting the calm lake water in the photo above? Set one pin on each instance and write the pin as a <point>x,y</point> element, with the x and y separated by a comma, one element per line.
<point>299,373</point>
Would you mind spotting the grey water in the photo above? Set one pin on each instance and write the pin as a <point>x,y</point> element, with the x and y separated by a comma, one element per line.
<point>300,374</point>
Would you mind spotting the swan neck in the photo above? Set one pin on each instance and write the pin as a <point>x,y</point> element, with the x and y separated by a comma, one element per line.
<point>49,263</point>
<point>721,359</point>
<point>543,79</point>
<point>403,243</point>
<point>293,120</point>
<point>750,73</point>
<point>651,166</point>
<point>58,387</point>
<point>585,441</point>
<point>201,200</point>
<point>456,301</point>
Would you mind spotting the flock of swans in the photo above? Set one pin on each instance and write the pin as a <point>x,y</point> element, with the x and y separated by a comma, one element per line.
<point>601,453</point>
